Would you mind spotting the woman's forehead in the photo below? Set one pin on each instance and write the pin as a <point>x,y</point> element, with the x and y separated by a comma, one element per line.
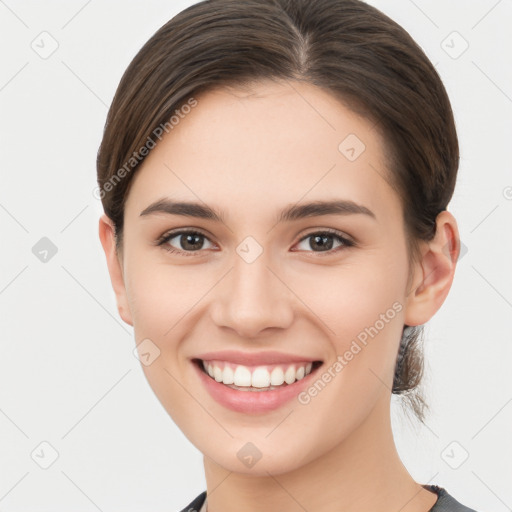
<point>276,144</point>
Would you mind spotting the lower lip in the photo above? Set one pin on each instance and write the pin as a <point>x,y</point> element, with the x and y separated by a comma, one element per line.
<point>252,401</point>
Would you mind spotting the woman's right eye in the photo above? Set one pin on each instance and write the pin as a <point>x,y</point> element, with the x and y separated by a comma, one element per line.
<point>189,242</point>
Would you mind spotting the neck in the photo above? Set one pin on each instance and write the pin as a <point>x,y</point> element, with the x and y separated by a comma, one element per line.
<point>362,473</point>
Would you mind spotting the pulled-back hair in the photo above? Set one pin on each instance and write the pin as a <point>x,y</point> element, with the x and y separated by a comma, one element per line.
<point>346,47</point>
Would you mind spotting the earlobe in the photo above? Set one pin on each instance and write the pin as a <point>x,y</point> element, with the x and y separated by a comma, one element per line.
<point>434,273</point>
<point>107,238</point>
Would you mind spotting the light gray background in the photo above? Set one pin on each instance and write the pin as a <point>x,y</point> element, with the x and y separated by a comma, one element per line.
<point>68,376</point>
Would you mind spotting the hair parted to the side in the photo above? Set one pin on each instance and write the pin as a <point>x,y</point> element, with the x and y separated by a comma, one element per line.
<point>346,47</point>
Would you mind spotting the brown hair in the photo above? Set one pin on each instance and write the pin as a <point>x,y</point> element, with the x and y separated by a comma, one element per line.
<point>346,47</point>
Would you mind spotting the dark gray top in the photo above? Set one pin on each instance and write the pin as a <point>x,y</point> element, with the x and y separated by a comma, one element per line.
<point>445,502</point>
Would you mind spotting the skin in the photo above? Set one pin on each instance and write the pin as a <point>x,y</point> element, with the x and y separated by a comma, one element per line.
<point>250,154</point>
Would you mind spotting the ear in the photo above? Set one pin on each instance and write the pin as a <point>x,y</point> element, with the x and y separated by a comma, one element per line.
<point>433,275</point>
<point>115,269</point>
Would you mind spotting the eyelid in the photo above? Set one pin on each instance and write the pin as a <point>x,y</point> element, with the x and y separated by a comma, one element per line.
<point>331,231</point>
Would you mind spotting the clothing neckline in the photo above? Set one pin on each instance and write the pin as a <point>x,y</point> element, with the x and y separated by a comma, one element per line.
<point>439,491</point>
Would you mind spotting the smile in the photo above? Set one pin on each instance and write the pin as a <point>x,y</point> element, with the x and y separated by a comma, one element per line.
<point>254,383</point>
<point>256,378</point>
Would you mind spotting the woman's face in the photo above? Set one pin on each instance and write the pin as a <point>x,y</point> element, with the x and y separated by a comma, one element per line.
<point>258,282</point>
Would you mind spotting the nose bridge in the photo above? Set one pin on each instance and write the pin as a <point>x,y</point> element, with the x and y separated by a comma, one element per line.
<point>252,298</point>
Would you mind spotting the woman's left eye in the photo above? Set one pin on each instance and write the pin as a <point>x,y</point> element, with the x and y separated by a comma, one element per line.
<point>323,239</point>
<point>191,241</point>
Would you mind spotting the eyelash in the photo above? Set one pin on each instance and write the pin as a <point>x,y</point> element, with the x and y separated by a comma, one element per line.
<point>162,241</point>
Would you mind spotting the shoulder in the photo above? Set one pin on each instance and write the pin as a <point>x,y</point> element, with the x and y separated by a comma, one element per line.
<point>446,502</point>
<point>195,505</point>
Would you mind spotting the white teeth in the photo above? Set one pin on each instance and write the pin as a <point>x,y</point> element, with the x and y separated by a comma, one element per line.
<point>260,377</point>
<point>228,376</point>
<point>277,376</point>
<point>242,376</point>
<point>289,375</point>
<point>217,374</point>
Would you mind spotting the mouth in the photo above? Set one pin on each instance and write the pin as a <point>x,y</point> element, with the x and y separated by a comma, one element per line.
<point>256,378</point>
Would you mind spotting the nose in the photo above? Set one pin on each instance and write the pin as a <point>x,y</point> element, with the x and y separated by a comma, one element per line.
<point>251,298</point>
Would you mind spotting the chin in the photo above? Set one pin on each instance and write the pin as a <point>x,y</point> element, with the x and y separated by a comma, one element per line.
<point>256,458</point>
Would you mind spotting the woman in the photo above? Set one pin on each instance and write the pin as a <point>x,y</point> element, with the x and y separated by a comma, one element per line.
<point>275,177</point>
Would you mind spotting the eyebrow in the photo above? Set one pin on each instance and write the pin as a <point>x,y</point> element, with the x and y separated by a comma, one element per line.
<point>290,213</point>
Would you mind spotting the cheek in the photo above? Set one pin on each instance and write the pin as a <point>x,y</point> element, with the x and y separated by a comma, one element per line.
<point>162,299</point>
<point>166,302</point>
<point>359,308</point>
<point>352,297</point>
<point>161,294</point>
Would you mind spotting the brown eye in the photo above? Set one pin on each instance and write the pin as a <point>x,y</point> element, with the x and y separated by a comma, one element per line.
<point>187,242</point>
<point>323,242</point>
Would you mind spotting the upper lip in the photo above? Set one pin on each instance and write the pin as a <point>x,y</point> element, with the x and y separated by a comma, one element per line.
<point>254,358</point>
